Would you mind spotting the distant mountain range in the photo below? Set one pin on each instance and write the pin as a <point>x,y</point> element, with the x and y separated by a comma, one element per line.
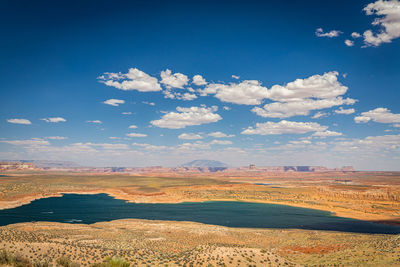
<point>49,163</point>
<point>202,163</point>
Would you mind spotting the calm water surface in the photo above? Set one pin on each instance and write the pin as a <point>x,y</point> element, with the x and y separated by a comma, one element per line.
<point>74,208</point>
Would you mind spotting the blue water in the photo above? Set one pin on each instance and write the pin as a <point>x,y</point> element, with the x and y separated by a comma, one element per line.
<point>74,208</point>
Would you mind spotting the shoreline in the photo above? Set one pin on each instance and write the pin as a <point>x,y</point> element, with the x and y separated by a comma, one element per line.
<point>138,198</point>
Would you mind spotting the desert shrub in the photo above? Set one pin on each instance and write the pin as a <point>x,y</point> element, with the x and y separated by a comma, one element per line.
<point>7,258</point>
<point>113,262</point>
<point>41,264</point>
<point>65,262</point>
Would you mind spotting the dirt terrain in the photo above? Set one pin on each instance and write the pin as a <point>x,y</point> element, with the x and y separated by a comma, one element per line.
<point>160,243</point>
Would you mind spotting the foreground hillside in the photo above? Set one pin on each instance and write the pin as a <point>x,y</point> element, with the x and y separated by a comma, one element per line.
<point>160,243</point>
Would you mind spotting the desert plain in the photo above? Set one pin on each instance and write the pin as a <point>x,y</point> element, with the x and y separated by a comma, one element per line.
<point>370,196</point>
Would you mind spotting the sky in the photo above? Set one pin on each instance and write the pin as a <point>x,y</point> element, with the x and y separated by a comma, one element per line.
<point>142,83</point>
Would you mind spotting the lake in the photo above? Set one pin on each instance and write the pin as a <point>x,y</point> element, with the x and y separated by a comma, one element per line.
<point>87,209</point>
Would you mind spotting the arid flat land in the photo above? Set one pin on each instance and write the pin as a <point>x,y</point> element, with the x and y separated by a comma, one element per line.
<point>371,196</point>
<point>160,243</point>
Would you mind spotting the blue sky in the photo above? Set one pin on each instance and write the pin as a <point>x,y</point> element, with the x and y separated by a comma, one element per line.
<point>281,82</point>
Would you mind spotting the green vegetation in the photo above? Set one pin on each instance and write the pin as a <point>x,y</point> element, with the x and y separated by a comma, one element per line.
<point>7,258</point>
<point>113,262</point>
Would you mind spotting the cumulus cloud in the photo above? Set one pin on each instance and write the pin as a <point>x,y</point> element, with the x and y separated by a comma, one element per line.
<point>221,142</point>
<point>187,96</point>
<point>381,115</point>
<point>220,135</point>
<point>190,136</point>
<point>136,135</point>
<point>19,121</point>
<point>284,127</point>
<point>149,103</point>
<point>27,142</point>
<point>320,115</point>
<point>326,133</point>
<point>235,77</point>
<point>187,117</point>
<point>345,111</point>
<point>249,92</point>
<point>355,35</point>
<point>132,127</point>
<point>176,80</point>
<point>199,80</point>
<point>370,143</point>
<point>296,108</point>
<point>316,86</point>
<point>114,102</point>
<point>95,122</point>
<point>54,119</point>
<point>149,146</point>
<point>349,42</point>
<point>320,33</point>
<point>56,137</point>
<point>304,95</point>
<point>133,80</point>
<point>388,21</point>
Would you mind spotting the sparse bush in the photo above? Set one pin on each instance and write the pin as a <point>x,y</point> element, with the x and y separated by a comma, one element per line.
<point>113,262</point>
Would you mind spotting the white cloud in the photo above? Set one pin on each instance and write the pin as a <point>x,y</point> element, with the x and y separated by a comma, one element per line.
<point>355,35</point>
<point>221,142</point>
<point>149,103</point>
<point>176,80</point>
<point>249,92</point>
<point>126,113</point>
<point>220,135</point>
<point>190,136</point>
<point>389,22</point>
<point>381,115</point>
<point>150,147</point>
<point>300,97</point>
<point>296,108</point>
<point>19,121</point>
<point>107,146</point>
<point>56,137</point>
<point>349,42</point>
<point>226,108</point>
<point>235,77</point>
<point>320,115</point>
<point>345,111</point>
<point>136,135</point>
<point>27,142</point>
<point>114,138</point>
<point>187,96</point>
<point>396,125</point>
<point>132,127</point>
<point>320,33</point>
<point>54,119</point>
<point>199,80</point>
<point>133,80</point>
<point>316,86</point>
<point>326,133</point>
<point>114,102</point>
<point>95,122</point>
<point>187,117</point>
<point>284,127</point>
<point>361,119</point>
<point>370,144</point>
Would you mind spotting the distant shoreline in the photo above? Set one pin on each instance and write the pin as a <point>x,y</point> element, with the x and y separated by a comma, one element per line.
<point>129,198</point>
